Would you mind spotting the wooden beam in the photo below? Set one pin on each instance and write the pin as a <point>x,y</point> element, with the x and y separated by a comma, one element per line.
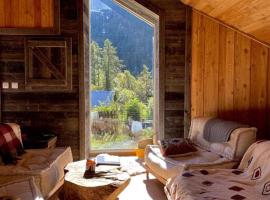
<point>233,28</point>
<point>188,44</point>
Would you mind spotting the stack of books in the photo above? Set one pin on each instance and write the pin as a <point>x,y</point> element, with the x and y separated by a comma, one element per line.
<point>106,159</point>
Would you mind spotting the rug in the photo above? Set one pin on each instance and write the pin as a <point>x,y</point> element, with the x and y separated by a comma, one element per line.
<point>132,165</point>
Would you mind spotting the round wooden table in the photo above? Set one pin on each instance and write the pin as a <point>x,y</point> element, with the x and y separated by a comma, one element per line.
<point>107,184</point>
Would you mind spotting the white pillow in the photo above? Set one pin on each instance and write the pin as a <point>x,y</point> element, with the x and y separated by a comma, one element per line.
<point>23,189</point>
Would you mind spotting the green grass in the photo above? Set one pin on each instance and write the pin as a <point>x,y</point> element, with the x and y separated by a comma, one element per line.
<point>108,141</point>
<point>117,141</point>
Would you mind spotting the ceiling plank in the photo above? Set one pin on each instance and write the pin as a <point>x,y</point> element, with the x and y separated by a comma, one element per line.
<point>249,16</point>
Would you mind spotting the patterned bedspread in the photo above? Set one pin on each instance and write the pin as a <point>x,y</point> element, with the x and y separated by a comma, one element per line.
<point>250,181</point>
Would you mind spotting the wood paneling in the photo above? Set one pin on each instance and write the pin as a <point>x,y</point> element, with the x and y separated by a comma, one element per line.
<point>250,16</point>
<point>242,77</point>
<point>226,71</point>
<point>211,67</point>
<point>229,75</point>
<point>174,19</point>
<point>59,111</point>
<point>197,78</point>
<point>56,111</point>
<point>26,13</point>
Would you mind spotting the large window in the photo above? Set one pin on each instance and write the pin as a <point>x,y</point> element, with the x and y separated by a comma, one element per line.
<point>122,91</point>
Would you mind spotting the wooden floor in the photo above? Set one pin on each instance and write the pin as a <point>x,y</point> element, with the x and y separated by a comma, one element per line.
<point>140,188</point>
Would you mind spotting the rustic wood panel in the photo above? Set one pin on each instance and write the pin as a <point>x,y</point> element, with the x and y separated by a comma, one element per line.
<point>258,84</point>
<point>56,111</point>
<point>249,16</point>
<point>197,77</point>
<point>59,111</point>
<point>242,78</point>
<point>226,72</point>
<point>268,96</point>
<point>174,17</point>
<point>239,68</point>
<point>26,13</point>
<point>211,67</point>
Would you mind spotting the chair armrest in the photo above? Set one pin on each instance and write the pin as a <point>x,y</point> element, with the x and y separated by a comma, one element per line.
<point>241,139</point>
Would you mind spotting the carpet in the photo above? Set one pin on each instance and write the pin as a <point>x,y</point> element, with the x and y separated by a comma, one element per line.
<point>132,165</point>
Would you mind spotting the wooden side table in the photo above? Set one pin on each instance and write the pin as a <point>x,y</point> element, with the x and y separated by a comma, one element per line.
<point>104,187</point>
<point>40,142</point>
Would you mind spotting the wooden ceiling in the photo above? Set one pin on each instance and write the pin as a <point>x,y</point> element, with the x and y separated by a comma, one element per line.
<point>249,16</point>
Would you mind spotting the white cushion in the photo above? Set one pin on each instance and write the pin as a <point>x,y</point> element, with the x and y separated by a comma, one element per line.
<point>234,149</point>
<point>210,155</point>
<point>45,165</point>
<point>22,189</point>
<point>167,167</point>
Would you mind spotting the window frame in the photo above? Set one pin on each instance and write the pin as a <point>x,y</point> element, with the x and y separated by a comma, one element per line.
<point>153,16</point>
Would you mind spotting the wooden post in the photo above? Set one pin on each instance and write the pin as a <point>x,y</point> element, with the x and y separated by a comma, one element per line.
<point>187,106</point>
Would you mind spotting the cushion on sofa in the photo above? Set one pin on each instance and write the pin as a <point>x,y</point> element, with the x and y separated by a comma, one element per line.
<point>219,130</point>
<point>46,166</point>
<point>21,189</point>
<point>10,145</point>
<point>250,181</point>
<point>210,155</point>
<point>167,167</point>
<point>234,149</point>
<point>174,147</point>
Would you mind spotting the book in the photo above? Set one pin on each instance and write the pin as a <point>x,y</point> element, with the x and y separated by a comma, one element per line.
<point>106,159</point>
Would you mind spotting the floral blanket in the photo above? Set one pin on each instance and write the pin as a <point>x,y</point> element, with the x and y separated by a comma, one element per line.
<point>250,181</point>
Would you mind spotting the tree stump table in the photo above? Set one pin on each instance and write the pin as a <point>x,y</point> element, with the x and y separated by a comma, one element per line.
<point>107,183</point>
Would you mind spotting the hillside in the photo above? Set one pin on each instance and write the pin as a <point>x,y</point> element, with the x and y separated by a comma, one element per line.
<point>132,37</point>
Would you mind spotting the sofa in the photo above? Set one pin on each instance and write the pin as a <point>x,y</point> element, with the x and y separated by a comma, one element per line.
<point>209,154</point>
<point>44,166</point>
<point>20,189</point>
<point>251,180</point>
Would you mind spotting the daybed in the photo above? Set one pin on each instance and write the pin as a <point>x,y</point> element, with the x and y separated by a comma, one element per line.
<point>210,155</point>
<point>21,189</point>
<point>251,180</point>
<point>45,166</point>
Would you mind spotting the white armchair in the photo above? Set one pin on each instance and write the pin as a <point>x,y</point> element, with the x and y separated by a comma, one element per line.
<point>210,155</point>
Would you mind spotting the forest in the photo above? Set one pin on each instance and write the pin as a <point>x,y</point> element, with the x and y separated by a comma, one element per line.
<point>131,35</point>
<point>133,94</point>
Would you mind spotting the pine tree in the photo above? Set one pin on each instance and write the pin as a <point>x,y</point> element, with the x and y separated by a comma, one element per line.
<point>145,85</point>
<point>111,64</point>
<point>96,65</point>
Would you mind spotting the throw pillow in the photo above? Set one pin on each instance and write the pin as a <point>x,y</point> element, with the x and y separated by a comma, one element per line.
<point>176,147</point>
<point>10,145</point>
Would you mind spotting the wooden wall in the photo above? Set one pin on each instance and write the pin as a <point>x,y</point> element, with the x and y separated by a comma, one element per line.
<point>59,111</point>
<point>249,16</point>
<point>175,29</point>
<point>174,14</point>
<point>26,13</point>
<point>230,75</point>
<point>55,111</point>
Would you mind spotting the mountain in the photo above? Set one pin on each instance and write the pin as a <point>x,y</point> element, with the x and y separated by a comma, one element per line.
<point>97,5</point>
<point>132,37</point>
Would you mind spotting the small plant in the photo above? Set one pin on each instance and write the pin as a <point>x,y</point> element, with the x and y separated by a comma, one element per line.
<point>133,110</point>
<point>107,111</point>
<point>147,133</point>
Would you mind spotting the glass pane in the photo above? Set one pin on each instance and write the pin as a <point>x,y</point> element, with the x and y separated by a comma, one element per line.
<point>121,77</point>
